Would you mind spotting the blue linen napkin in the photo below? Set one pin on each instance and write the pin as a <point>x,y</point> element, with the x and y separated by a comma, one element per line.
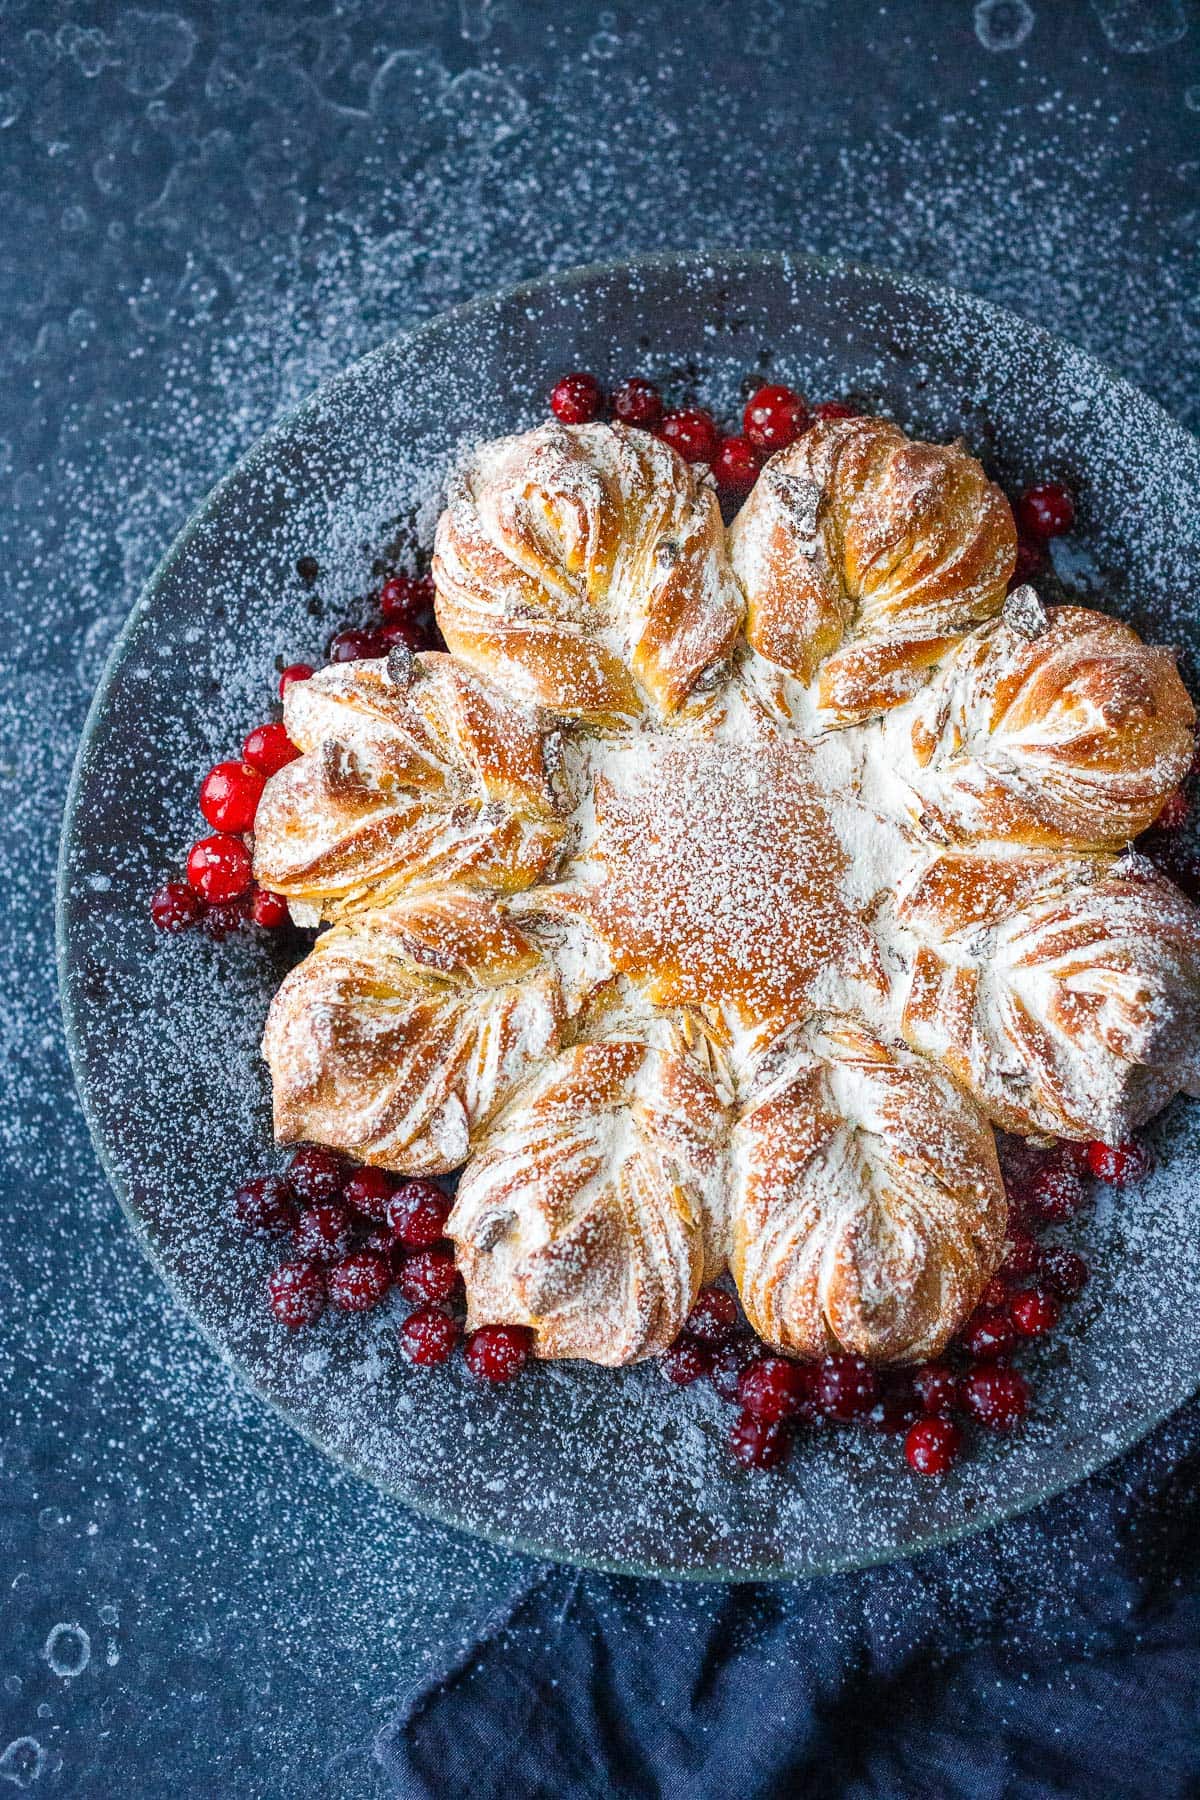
<point>1055,1655</point>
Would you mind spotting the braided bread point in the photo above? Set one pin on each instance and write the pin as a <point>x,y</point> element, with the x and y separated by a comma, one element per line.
<point>585,567</point>
<point>594,1206</point>
<point>404,1030</point>
<point>1063,994</point>
<point>1053,726</point>
<point>420,777</point>
<point>864,555</point>
<point>867,1205</point>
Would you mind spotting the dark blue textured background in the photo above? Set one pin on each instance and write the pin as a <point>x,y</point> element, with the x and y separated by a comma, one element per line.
<point>203,212</point>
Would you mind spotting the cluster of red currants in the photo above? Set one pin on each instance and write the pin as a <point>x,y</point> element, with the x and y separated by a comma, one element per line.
<point>357,1234</point>
<point>405,605</point>
<point>773,417</point>
<point>973,1382</point>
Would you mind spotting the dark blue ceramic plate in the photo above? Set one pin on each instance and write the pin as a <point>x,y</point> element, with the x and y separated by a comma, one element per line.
<point>573,1462</point>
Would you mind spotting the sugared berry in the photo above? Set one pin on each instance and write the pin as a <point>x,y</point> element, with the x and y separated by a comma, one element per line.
<point>576,398</point>
<point>296,1293</point>
<point>714,1317</point>
<point>996,1397</point>
<point>774,418</point>
<point>263,1204</point>
<point>735,465</point>
<point>270,748</point>
<point>354,645</point>
<point>995,1294</point>
<point>316,1173</point>
<point>988,1335</point>
<point>427,1275</point>
<point>1120,1165</point>
<point>835,409</point>
<point>229,795</point>
<point>1045,511</point>
<point>684,1362</point>
<point>759,1443</point>
<point>405,633</point>
<point>726,1366</point>
<point>1054,1194</point>
<point>428,1336</point>
<point>417,1213</point>
<point>692,433</point>
<point>936,1387</point>
<point>1031,562</point>
<point>845,1387</point>
<point>323,1231</point>
<point>498,1352</point>
<point>897,1407</point>
<point>774,1388</point>
<point>293,673</point>
<point>1022,1256</point>
<point>403,595</point>
<point>268,909</point>
<point>218,867</point>
<point>359,1281</point>
<point>1064,1273</point>
<point>368,1191</point>
<point>1034,1312</point>
<point>175,906</point>
<point>638,402</point>
<point>1173,813</point>
<point>230,916</point>
<point>932,1446</point>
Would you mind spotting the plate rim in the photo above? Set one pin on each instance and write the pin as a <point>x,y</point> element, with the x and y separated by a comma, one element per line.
<point>1129,1433</point>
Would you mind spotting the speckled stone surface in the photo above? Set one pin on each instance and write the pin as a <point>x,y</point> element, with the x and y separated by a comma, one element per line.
<point>206,212</point>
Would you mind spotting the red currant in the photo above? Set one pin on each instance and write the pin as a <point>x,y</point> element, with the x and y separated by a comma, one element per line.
<point>726,1367</point>
<point>417,1214</point>
<point>428,1336</point>
<point>268,909</point>
<point>218,867</point>
<point>296,1294</point>
<point>1034,1312</point>
<point>359,1281</point>
<point>354,645</point>
<point>293,673</point>
<point>932,1446</point>
<point>1045,511</point>
<point>774,1388</point>
<point>1030,564</point>
<point>1173,814</point>
<point>994,1294</point>
<point>498,1352</point>
<point>1064,1273</point>
<point>638,402</point>
<point>1022,1256</point>
<point>845,1387</point>
<point>229,796</point>
<point>175,906</point>
<point>759,1443</point>
<point>316,1173</point>
<point>692,433</point>
<point>988,1335</point>
<point>996,1397</point>
<point>263,1204</point>
<point>322,1232</point>
<point>684,1362</point>
<point>936,1387</point>
<point>735,465</point>
<point>403,595</point>
<point>270,748</point>
<point>1054,1194</point>
<point>835,409</point>
<point>774,418</point>
<point>404,632</point>
<point>1120,1165</point>
<point>427,1275</point>
<point>714,1317</point>
<point>576,399</point>
<point>368,1191</point>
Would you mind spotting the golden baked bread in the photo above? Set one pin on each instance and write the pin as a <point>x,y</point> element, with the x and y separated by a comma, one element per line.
<point>710,947</point>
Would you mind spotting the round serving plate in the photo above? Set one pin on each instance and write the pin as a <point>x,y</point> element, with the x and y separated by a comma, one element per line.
<point>572,1462</point>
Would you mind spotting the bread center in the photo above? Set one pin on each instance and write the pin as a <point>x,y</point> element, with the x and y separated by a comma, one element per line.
<point>722,880</point>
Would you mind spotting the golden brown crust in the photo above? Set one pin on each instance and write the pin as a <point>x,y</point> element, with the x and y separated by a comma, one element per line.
<point>402,1033</point>
<point>864,555</point>
<point>586,568</point>
<point>868,1209</point>
<point>1072,737</point>
<point>585,1212</point>
<point>435,780</point>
